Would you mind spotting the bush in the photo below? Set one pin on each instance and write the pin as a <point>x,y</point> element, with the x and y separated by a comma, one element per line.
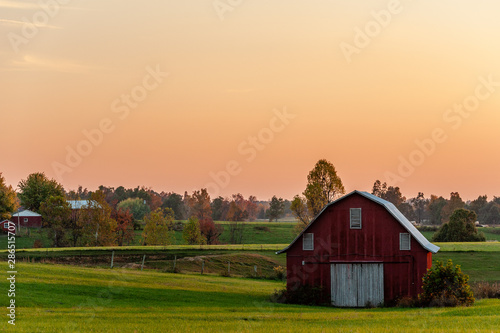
<point>446,286</point>
<point>428,228</point>
<point>460,228</point>
<point>486,290</point>
<point>279,272</point>
<point>301,294</point>
<point>262,228</point>
<point>37,244</point>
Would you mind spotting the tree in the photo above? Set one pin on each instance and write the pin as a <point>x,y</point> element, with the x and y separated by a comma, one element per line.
<point>252,208</point>
<point>137,207</point>
<point>389,193</point>
<point>478,204</point>
<point>276,208</point>
<point>56,215</point>
<point>36,189</point>
<point>453,204</point>
<point>124,226</point>
<point>419,203</point>
<point>323,186</point>
<point>235,213</point>
<point>490,213</point>
<point>192,233</point>
<point>461,228</point>
<point>156,231</point>
<point>199,203</point>
<point>98,228</point>
<point>436,205</point>
<point>8,199</point>
<point>210,231</point>
<point>220,208</point>
<point>174,201</point>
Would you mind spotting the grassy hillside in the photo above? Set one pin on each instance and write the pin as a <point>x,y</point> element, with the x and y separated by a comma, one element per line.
<point>54,298</point>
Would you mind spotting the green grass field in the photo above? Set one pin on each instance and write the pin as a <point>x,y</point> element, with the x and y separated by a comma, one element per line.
<point>54,298</point>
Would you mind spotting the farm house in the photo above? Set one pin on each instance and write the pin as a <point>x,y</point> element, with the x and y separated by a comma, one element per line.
<point>362,251</point>
<point>27,219</point>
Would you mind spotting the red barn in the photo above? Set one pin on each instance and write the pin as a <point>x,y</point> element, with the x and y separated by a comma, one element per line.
<point>6,226</point>
<point>27,219</point>
<point>362,251</point>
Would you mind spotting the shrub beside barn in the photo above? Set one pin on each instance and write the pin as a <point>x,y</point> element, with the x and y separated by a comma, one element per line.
<point>361,251</point>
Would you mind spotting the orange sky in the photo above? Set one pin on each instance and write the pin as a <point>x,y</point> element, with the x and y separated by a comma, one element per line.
<point>184,90</point>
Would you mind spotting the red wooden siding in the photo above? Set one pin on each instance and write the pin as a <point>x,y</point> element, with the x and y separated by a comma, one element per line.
<point>376,241</point>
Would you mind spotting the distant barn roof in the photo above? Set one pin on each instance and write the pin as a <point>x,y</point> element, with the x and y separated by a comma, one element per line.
<point>79,204</point>
<point>25,213</point>
<point>391,209</point>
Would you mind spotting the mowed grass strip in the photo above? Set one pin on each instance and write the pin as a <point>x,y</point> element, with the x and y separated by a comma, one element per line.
<point>54,298</point>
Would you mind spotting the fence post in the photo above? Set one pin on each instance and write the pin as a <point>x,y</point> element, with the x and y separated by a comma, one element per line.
<point>143,258</point>
<point>202,266</point>
<point>255,270</point>
<point>228,268</point>
<point>175,261</point>
<point>112,258</point>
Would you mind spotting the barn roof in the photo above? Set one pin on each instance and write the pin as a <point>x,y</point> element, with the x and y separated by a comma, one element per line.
<point>79,204</point>
<point>390,208</point>
<point>25,213</point>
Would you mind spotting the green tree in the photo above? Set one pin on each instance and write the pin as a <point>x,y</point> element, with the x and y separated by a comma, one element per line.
<point>220,208</point>
<point>56,215</point>
<point>192,233</point>
<point>436,205</point>
<point>8,200</point>
<point>446,286</point>
<point>323,186</point>
<point>36,189</point>
<point>276,209</point>
<point>156,231</point>
<point>453,204</point>
<point>461,228</point>
<point>478,204</point>
<point>490,213</point>
<point>137,207</point>
<point>174,201</point>
<point>299,209</point>
<point>98,227</point>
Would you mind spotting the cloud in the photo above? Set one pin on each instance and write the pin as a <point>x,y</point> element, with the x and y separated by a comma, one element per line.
<point>30,63</point>
<point>17,23</point>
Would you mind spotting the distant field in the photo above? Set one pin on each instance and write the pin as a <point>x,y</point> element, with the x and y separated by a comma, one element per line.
<point>54,298</point>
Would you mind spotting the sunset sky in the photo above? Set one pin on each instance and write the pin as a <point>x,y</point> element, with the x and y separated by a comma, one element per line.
<point>246,96</point>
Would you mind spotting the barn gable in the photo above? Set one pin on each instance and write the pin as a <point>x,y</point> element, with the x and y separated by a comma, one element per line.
<point>389,207</point>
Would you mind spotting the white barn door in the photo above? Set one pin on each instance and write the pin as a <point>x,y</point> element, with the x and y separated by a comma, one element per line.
<point>356,285</point>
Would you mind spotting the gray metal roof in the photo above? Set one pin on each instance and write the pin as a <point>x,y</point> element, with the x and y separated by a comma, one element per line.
<point>78,204</point>
<point>391,209</point>
<point>25,213</point>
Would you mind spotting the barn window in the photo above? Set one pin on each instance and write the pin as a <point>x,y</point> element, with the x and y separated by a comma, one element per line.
<point>404,241</point>
<point>308,242</point>
<point>355,218</point>
<point>25,219</point>
<point>6,225</point>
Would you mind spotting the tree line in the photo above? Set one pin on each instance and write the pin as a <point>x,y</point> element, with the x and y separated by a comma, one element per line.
<point>111,215</point>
